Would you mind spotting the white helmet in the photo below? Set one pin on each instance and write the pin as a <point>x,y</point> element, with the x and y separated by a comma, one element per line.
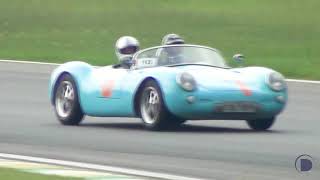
<point>125,48</point>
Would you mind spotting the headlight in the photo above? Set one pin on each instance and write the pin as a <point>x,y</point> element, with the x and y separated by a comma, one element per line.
<point>276,81</point>
<point>186,81</point>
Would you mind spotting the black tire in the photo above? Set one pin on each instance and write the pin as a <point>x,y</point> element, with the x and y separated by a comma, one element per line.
<point>261,124</point>
<point>176,122</point>
<point>154,116</point>
<point>73,115</point>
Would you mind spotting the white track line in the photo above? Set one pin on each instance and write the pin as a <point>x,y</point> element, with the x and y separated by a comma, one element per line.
<point>303,81</point>
<point>95,167</point>
<point>56,64</point>
<point>29,62</point>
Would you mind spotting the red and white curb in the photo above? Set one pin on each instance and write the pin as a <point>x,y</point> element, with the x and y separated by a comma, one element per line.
<point>57,64</point>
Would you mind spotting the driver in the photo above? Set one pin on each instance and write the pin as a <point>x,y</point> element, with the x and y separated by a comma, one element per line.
<point>171,39</point>
<point>126,47</point>
<point>173,55</point>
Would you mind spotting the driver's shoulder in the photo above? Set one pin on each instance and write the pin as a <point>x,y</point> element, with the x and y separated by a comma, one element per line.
<point>115,66</point>
<point>120,66</point>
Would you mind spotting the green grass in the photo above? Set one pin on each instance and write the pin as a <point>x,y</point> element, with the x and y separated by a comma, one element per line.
<point>284,35</point>
<point>12,174</point>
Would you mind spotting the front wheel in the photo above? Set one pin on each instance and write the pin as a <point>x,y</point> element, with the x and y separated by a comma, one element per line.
<point>154,114</point>
<point>176,122</point>
<point>261,124</point>
<point>67,106</point>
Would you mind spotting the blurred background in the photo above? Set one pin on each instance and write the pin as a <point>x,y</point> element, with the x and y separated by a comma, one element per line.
<point>283,35</point>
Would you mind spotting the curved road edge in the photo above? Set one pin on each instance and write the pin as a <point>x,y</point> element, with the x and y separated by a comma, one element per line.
<point>97,167</point>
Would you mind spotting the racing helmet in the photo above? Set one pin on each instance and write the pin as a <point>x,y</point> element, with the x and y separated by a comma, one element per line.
<point>170,39</point>
<point>126,47</point>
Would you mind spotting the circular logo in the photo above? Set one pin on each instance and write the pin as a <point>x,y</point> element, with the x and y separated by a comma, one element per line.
<point>303,163</point>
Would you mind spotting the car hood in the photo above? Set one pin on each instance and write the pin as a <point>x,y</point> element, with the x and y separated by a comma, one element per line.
<point>213,78</point>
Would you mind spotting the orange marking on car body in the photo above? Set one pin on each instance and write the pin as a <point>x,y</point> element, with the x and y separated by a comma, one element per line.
<point>107,89</point>
<point>244,88</point>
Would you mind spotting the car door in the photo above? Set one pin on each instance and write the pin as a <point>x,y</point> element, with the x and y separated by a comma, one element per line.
<point>109,81</point>
<point>103,93</point>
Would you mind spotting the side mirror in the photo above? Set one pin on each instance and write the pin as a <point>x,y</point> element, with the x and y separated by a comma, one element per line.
<point>238,58</point>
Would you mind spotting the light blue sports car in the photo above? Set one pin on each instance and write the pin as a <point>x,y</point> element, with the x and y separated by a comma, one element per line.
<point>167,85</point>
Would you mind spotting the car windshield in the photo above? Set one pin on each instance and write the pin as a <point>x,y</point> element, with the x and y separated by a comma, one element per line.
<point>177,55</point>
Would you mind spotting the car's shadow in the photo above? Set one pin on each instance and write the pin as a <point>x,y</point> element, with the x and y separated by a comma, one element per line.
<point>190,128</point>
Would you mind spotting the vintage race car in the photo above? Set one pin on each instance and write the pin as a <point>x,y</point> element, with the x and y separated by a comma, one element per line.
<point>167,85</point>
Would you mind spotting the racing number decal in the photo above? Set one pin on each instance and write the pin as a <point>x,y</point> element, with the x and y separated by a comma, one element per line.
<point>244,88</point>
<point>147,62</point>
<point>107,89</point>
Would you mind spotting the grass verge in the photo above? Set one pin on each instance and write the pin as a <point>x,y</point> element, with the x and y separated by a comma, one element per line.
<point>13,174</point>
<point>283,35</point>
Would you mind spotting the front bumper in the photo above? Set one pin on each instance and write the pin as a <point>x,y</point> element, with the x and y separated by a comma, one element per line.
<point>233,105</point>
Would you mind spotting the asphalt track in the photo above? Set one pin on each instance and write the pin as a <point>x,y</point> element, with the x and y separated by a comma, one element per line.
<point>200,149</point>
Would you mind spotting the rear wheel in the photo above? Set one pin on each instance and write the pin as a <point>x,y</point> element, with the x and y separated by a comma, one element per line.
<point>154,114</point>
<point>67,106</point>
<point>261,124</point>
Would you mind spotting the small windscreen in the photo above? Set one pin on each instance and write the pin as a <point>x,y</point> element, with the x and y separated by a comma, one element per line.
<point>178,55</point>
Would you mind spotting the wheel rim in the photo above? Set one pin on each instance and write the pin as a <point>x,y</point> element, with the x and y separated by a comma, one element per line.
<point>65,99</point>
<point>150,105</point>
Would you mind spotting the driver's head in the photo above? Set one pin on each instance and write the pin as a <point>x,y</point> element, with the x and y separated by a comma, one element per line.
<point>172,39</point>
<point>126,47</point>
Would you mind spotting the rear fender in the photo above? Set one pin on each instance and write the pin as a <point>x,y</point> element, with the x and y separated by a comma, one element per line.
<point>78,70</point>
